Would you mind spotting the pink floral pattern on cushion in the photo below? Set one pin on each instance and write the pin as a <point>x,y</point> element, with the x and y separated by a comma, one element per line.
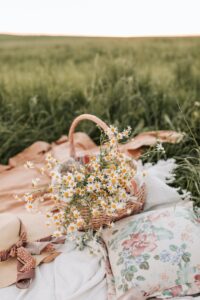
<point>176,291</point>
<point>156,251</point>
<point>140,242</point>
<point>197,279</point>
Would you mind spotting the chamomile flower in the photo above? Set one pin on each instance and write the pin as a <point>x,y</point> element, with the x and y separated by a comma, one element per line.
<point>49,214</point>
<point>113,206</point>
<point>51,188</point>
<point>111,189</point>
<point>28,197</point>
<point>91,179</point>
<point>49,166</point>
<point>55,197</point>
<point>35,182</point>
<point>120,136</point>
<point>55,217</point>
<point>123,170</point>
<point>56,177</point>
<point>17,198</point>
<point>80,222</point>
<point>65,180</point>
<point>111,131</point>
<point>30,206</point>
<point>67,195</point>
<point>49,158</point>
<point>99,177</point>
<point>95,212</point>
<point>113,142</point>
<point>82,192</point>
<point>107,158</point>
<point>113,181</point>
<point>160,147</point>
<point>69,177</point>
<point>97,186</point>
<point>104,204</point>
<point>126,132</point>
<point>122,194</point>
<point>76,214</point>
<point>57,222</point>
<point>90,187</point>
<point>57,233</point>
<point>79,176</point>
<point>95,166</point>
<point>29,165</point>
<point>71,228</point>
<point>42,170</point>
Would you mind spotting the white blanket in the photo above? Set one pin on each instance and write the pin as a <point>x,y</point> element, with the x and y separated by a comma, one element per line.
<point>74,275</point>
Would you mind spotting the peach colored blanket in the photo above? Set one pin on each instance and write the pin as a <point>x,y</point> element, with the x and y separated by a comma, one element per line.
<point>15,179</point>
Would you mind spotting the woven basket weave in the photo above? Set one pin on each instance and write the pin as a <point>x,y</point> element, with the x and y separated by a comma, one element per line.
<point>103,219</point>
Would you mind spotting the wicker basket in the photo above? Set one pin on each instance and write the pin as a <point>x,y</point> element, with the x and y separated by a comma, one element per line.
<point>103,219</point>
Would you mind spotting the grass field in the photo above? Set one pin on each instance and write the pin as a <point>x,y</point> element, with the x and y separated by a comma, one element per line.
<point>151,83</point>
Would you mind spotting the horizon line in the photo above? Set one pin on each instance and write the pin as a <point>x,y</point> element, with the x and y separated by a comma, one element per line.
<point>100,36</point>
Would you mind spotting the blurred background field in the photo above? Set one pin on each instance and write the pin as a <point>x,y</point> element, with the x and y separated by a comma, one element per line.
<point>147,83</point>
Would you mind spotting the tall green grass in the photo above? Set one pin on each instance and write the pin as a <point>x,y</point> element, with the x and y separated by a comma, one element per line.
<point>149,84</point>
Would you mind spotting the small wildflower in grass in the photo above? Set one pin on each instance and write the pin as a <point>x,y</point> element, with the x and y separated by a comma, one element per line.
<point>160,148</point>
<point>186,195</point>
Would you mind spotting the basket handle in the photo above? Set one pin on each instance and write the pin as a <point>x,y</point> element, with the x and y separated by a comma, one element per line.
<point>82,117</point>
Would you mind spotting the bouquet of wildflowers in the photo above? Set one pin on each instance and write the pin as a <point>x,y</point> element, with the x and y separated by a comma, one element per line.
<point>91,191</point>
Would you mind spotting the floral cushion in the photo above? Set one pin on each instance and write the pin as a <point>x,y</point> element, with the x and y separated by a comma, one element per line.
<point>156,253</point>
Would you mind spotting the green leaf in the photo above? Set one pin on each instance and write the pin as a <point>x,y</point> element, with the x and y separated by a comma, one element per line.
<point>185,257</point>
<point>146,256</point>
<point>120,261</point>
<point>157,257</point>
<point>133,269</point>
<point>123,272</point>
<point>163,233</point>
<point>140,278</point>
<point>129,276</point>
<point>125,287</point>
<point>115,231</point>
<point>173,247</point>
<point>144,265</point>
<point>167,293</point>
<point>184,246</point>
